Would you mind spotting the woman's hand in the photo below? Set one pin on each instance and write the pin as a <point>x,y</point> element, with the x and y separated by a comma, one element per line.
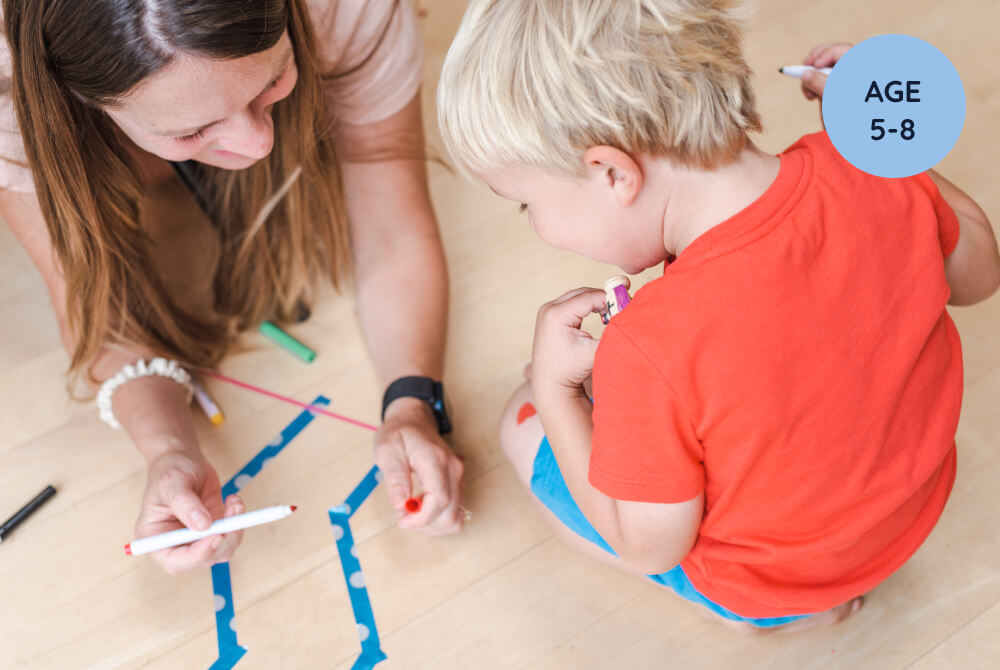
<point>183,491</point>
<point>562,358</point>
<point>824,55</point>
<point>408,447</point>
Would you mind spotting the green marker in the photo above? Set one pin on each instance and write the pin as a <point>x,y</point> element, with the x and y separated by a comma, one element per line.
<point>287,342</point>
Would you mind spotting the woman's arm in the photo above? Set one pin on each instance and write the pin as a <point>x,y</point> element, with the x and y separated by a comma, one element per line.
<point>402,293</point>
<point>182,488</point>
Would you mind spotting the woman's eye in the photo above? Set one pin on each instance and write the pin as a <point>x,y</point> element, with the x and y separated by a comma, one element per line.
<point>191,137</point>
<point>522,208</point>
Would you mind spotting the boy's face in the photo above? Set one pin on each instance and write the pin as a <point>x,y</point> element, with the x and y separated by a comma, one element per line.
<point>586,214</point>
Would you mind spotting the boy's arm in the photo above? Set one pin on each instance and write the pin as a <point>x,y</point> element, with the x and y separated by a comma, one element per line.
<point>650,537</point>
<point>973,268</point>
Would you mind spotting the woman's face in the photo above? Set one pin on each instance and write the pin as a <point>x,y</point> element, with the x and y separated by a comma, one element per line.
<point>216,112</point>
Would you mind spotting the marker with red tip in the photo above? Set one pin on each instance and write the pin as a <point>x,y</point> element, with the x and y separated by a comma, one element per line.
<point>230,524</point>
<point>414,504</point>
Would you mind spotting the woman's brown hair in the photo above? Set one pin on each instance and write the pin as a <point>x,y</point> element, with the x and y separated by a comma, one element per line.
<point>281,222</point>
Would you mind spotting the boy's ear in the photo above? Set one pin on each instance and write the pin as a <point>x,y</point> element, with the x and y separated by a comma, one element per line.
<point>616,169</point>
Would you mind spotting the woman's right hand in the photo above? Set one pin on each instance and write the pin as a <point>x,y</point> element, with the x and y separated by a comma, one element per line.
<point>824,55</point>
<point>183,491</point>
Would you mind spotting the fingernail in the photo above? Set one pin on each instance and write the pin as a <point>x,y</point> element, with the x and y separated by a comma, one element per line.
<point>199,520</point>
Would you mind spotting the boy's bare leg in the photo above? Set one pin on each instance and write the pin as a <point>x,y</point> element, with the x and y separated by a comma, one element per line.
<point>520,442</point>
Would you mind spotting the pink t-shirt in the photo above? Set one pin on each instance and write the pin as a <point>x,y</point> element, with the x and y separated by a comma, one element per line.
<point>347,31</point>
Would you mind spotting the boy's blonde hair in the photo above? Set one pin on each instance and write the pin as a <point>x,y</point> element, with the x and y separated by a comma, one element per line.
<point>538,82</point>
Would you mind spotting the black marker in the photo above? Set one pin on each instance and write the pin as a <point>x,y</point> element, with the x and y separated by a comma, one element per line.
<point>26,511</point>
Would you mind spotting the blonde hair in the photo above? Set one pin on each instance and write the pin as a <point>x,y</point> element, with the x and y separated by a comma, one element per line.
<point>538,82</point>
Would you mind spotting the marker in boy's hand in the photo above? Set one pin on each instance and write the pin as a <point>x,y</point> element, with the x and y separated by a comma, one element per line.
<point>824,55</point>
<point>563,353</point>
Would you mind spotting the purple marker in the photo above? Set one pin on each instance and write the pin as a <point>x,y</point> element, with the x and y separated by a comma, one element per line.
<point>616,294</point>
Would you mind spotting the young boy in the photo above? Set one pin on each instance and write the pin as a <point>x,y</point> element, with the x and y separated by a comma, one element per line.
<point>773,420</point>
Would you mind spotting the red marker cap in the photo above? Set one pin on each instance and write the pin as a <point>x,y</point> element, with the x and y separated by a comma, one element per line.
<point>413,505</point>
<point>128,549</point>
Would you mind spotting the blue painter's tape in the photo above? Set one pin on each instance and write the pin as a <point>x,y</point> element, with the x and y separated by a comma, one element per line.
<point>222,587</point>
<point>229,658</point>
<point>340,520</point>
<point>361,491</point>
<point>230,650</point>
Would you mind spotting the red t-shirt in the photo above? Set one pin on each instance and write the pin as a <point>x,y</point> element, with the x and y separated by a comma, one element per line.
<point>796,363</point>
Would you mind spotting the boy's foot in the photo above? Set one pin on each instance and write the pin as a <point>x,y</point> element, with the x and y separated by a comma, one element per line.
<point>827,618</point>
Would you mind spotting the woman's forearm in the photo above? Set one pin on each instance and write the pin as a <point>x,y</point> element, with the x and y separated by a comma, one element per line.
<point>403,306</point>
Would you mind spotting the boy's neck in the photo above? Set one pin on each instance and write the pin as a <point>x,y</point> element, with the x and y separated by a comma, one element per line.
<point>698,199</point>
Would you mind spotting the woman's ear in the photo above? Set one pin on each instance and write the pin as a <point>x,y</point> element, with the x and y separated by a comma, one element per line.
<point>615,169</point>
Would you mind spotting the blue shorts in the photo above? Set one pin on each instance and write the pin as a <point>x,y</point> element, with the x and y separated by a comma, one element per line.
<point>549,487</point>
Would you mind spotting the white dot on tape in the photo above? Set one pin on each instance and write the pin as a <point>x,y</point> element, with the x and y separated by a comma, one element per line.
<point>242,481</point>
<point>358,580</point>
<point>363,632</point>
<point>220,602</point>
<point>338,532</point>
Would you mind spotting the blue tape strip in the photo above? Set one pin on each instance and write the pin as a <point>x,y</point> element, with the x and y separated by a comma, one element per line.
<point>230,650</point>
<point>340,520</point>
<point>360,493</point>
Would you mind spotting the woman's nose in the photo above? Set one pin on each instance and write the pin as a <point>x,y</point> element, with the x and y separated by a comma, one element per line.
<point>252,135</point>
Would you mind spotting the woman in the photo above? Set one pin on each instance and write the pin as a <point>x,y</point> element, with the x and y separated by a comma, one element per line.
<point>296,128</point>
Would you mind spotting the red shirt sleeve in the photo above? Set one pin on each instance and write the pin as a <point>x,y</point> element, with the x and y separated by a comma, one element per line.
<point>644,445</point>
<point>948,227</point>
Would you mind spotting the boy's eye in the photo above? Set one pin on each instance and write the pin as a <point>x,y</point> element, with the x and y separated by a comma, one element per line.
<point>523,207</point>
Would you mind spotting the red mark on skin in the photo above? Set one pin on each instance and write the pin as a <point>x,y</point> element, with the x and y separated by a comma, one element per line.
<point>526,412</point>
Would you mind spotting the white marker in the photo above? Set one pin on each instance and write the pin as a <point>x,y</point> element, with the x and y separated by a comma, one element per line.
<point>175,538</point>
<point>797,71</point>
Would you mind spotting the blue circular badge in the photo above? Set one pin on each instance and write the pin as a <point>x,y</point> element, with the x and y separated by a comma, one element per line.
<point>894,106</point>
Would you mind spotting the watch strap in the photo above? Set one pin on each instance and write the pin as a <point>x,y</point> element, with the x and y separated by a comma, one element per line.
<point>422,388</point>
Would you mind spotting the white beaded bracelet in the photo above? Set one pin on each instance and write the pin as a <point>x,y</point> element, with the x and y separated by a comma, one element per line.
<point>157,366</point>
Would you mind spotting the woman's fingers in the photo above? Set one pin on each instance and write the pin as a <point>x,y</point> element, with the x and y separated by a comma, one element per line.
<point>177,493</point>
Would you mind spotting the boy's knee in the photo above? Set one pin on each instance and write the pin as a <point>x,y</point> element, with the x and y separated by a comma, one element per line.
<point>514,416</point>
<point>521,432</point>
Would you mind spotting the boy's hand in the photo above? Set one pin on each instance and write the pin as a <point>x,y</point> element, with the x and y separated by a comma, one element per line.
<point>563,354</point>
<point>824,55</point>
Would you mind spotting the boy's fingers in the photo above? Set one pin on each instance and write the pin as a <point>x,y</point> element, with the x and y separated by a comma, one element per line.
<point>830,54</point>
<point>569,295</point>
<point>814,82</point>
<point>582,303</point>
<point>816,50</point>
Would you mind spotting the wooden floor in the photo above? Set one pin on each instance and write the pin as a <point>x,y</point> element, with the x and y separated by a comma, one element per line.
<point>505,593</point>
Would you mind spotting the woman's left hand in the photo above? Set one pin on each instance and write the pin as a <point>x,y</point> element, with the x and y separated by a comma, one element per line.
<point>408,447</point>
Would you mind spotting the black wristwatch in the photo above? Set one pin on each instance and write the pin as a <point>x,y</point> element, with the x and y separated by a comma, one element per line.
<point>423,388</point>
